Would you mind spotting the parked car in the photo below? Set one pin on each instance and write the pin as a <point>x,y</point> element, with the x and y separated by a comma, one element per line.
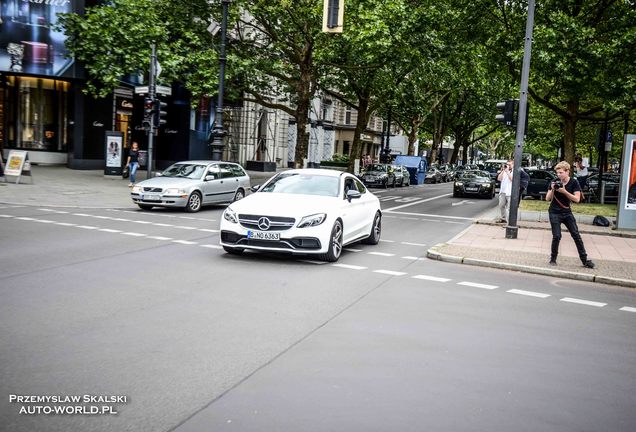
<point>493,166</point>
<point>539,182</point>
<point>433,175</point>
<point>381,175</point>
<point>402,175</point>
<point>474,182</point>
<point>303,211</point>
<point>191,185</point>
<point>447,172</point>
<point>612,182</point>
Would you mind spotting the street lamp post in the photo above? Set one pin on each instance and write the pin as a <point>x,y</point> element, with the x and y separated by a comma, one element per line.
<point>218,132</point>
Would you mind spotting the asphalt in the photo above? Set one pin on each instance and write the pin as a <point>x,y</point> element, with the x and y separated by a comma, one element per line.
<point>483,243</point>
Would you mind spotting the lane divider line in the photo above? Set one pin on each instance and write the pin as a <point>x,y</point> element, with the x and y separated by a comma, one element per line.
<point>349,266</point>
<point>431,278</point>
<point>528,293</point>
<point>583,302</point>
<point>389,272</point>
<point>478,285</point>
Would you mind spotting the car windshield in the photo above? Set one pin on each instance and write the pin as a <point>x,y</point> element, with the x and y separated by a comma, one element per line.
<point>376,167</point>
<point>191,171</point>
<point>303,184</point>
<point>475,176</point>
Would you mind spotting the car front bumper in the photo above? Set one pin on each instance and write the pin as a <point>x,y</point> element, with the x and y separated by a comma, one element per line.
<point>163,201</point>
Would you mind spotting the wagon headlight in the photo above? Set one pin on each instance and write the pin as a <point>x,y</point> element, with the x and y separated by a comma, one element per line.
<point>312,220</point>
<point>136,189</point>
<point>230,216</point>
<point>175,191</point>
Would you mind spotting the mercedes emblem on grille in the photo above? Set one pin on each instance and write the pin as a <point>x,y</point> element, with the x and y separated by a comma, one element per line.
<point>263,223</point>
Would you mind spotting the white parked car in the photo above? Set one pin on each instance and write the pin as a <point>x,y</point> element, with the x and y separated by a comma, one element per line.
<point>191,185</point>
<point>303,211</point>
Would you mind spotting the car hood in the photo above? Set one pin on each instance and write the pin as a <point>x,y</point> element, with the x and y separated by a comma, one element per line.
<point>375,173</point>
<point>279,204</point>
<point>168,182</point>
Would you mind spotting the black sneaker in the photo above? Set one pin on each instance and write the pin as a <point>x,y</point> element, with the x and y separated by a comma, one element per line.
<point>588,264</point>
<point>553,261</point>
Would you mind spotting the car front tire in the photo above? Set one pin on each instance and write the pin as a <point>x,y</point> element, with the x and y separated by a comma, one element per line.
<point>376,231</point>
<point>335,243</point>
<point>194,202</point>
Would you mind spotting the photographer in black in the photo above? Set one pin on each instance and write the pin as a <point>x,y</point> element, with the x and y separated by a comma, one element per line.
<point>561,194</point>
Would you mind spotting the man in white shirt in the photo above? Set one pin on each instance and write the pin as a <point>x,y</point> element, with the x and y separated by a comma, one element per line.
<point>505,190</point>
<point>581,170</point>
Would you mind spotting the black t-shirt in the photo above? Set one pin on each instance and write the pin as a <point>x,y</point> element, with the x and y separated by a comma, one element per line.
<point>134,156</point>
<point>561,203</point>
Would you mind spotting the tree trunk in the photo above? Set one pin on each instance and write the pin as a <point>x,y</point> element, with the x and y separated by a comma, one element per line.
<point>361,125</point>
<point>302,137</point>
<point>569,131</point>
<point>413,135</point>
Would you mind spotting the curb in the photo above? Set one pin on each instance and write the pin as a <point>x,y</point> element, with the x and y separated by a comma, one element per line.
<point>433,253</point>
<point>582,229</point>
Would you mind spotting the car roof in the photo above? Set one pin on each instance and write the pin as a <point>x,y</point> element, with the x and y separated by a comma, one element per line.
<point>204,162</point>
<point>316,171</point>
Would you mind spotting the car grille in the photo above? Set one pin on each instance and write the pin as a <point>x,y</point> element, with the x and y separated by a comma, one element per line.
<point>294,244</point>
<point>152,189</point>
<point>276,223</point>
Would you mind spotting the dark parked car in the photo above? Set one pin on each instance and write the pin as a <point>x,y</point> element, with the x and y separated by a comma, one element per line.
<point>433,175</point>
<point>381,175</point>
<point>474,183</point>
<point>447,172</point>
<point>402,175</point>
<point>612,182</point>
<point>539,181</point>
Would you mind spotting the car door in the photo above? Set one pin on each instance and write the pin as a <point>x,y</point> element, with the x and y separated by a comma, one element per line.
<point>354,212</point>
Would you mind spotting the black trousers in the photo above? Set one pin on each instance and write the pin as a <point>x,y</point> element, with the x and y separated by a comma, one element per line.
<point>567,219</point>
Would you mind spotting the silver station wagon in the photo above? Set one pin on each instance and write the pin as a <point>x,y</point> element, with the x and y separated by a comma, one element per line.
<point>191,185</point>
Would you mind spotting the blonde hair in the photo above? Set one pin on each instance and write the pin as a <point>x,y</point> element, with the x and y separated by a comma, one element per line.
<point>563,165</point>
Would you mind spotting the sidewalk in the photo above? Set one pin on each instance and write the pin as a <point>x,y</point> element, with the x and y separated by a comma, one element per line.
<point>483,243</point>
<point>59,186</point>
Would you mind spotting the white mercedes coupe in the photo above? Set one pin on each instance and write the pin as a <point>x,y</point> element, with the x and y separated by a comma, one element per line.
<point>303,211</point>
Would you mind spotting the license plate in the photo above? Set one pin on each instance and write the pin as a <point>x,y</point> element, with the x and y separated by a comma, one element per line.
<point>150,197</point>
<point>472,189</point>
<point>261,235</point>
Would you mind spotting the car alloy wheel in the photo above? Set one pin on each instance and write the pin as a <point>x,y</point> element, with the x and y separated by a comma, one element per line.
<point>376,230</point>
<point>239,195</point>
<point>194,202</point>
<point>335,243</point>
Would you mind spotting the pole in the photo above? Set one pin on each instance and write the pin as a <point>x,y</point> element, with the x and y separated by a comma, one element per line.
<point>152,95</point>
<point>218,132</point>
<point>512,229</point>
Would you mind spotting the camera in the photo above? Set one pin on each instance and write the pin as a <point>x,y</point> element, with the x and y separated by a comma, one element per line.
<point>558,184</point>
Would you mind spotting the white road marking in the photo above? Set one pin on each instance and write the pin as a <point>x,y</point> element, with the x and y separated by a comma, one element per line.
<point>314,262</point>
<point>66,224</point>
<point>412,258</point>
<point>416,202</point>
<point>160,238</point>
<point>528,293</point>
<point>431,215</point>
<point>142,222</point>
<point>185,227</point>
<point>6,216</point>
<point>110,230</point>
<point>348,266</point>
<point>122,220</point>
<point>102,217</point>
<point>25,218</point>
<point>390,272</point>
<point>134,234</point>
<point>211,246</point>
<point>384,254</point>
<point>478,285</point>
<point>352,250</point>
<point>44,221</point>
<point>185,242</point>
<point>81,214</point>
<point>453,222</point>
<point>163,225</point>
<point>387,241</point>
<point>583,302</point>
<point>430,278</point>
<point>88,227</point>
<point>628,309</point>
<point>208,230</point>
<point>413,244</point>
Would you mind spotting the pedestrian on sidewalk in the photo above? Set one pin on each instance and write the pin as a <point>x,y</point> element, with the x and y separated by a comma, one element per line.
<point>581,170</point>
<point>505,190</point>
<point>133,162</point>
<point>561,194</point>
<point>524,180</point>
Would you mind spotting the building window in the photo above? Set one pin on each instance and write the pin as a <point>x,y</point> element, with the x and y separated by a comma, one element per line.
<point>346,147</point>
<point>37,114</point>
<point>348,116</point>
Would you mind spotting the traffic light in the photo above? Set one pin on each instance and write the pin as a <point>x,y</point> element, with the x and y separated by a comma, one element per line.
<point>148,112</point>
<point>333,16</point>
<point>160,113</point>
<point>507,110</point>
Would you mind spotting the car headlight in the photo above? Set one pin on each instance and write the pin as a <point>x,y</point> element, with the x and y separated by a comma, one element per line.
<point>136,189</point>
<point>174,191</point>
<point>312,220</point>
<point>488,186</point>
<point>230,216</point>
<point>459,184</point>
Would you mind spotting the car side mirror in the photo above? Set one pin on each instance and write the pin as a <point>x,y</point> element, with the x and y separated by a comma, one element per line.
<point>255,188</point>
<point>158,174</point>
<point>210,177</point>
<point>352,194</point>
